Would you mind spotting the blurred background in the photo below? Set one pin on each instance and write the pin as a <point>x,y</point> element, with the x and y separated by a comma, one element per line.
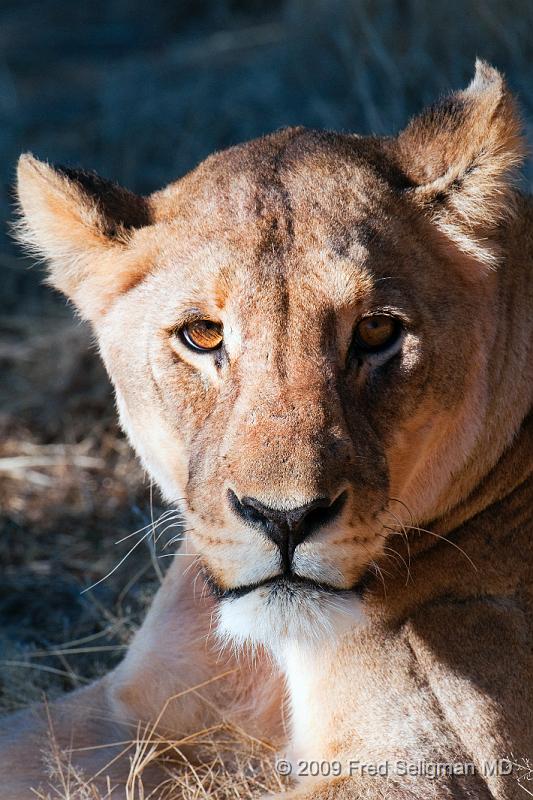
<point>141,92</point>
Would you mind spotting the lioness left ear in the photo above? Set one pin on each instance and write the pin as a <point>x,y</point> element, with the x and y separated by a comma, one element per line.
<point>461,156</point>
<point>81,225</point>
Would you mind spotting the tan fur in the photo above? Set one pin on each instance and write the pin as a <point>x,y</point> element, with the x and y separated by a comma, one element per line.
<point>289,241</point>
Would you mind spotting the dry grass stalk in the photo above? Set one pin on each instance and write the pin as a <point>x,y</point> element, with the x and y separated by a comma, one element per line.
<point>228,765</point>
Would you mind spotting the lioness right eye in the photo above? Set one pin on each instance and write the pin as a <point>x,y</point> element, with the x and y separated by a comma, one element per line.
<point>376,333</point>
<point>202,335</point>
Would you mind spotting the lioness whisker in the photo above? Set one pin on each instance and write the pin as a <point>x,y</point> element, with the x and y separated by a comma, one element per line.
<point>401,502</point>
<point>175,540</point>
<point>163,518</point>
<point>377,570</point>
<point>193,562</point>
<point>195,581</point>
<point>403,531</point>
<point>122,560</point>
<point>172,524</point>
<point>392,553</point>
<point>179,537</point>
<point>417,529</point>
<point>177,553</point>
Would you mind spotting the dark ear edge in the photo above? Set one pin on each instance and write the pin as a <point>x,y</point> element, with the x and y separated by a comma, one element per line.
<point>119,209</point>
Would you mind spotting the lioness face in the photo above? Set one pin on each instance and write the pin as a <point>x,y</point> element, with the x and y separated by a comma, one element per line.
<point>290,372</point>
<point>299,355</point>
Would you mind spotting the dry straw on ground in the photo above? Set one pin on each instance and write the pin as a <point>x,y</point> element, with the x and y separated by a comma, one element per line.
<point>228,765</point>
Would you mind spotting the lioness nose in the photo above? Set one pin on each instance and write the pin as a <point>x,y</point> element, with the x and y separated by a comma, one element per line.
<point>287,528</point>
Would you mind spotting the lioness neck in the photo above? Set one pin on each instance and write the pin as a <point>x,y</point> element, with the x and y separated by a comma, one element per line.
<point>509,381</point>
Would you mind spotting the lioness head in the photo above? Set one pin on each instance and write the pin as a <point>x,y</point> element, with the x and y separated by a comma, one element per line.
<point>300,335</point>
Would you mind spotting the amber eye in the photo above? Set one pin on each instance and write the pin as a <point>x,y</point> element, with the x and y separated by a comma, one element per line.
<point>202,334</point>
<point>376,333</point>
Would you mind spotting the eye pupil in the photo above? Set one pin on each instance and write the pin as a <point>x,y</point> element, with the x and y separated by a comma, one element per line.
<point>202,334</point>
<point>377,332</point>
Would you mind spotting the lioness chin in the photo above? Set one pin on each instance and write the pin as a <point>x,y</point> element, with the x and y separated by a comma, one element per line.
<point>321,350</point>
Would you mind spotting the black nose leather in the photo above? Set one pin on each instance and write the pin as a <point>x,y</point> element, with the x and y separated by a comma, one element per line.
<point>287,528</point>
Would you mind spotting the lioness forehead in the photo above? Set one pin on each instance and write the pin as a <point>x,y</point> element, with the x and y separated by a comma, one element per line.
<point>288,203</point>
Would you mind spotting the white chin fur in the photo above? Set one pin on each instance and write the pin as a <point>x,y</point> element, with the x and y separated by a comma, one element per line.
<point>287,615</point>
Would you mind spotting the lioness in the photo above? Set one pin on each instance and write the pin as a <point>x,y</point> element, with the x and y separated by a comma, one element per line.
<point>321,350</point>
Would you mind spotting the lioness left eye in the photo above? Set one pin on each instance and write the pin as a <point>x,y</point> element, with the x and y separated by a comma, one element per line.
<point>202,335</point>
<point>376,333</point>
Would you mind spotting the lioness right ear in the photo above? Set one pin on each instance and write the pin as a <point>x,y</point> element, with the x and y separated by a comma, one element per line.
<point>81,226</point>
<point>461,155</point>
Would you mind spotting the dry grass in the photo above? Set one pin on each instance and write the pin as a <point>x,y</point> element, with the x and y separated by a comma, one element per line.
<point>228,765</point>
<point>142,101</point>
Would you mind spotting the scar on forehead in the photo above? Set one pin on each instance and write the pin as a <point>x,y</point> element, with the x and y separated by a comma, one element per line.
<point>222,288</point>
<point>342,236</point>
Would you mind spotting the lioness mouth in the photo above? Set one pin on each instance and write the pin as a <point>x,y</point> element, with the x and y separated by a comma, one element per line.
<point>286,583</point>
